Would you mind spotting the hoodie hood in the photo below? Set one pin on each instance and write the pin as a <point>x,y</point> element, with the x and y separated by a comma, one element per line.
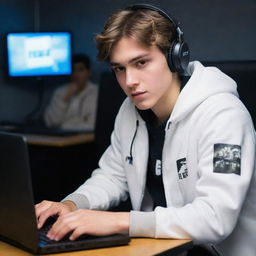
<point>203,83</point>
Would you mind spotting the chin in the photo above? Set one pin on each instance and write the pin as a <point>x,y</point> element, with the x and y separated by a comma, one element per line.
<point>142,107</point>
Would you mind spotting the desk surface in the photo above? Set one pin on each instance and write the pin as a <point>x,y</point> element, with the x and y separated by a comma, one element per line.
<point>137,247</point>
<point>59,141</point>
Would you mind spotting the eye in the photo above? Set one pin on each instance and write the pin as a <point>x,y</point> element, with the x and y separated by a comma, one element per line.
<point>118,69</point>
<point>141,63</point>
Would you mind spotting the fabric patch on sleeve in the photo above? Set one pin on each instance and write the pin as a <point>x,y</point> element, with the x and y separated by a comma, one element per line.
<point>227,158</point>
<point>182,168</point>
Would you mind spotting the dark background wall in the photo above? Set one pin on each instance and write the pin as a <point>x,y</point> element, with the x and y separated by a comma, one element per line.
<point>215,30</point>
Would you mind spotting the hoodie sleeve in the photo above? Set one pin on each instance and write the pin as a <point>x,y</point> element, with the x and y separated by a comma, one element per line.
<point>107,185</point>
<point>220,190</point>
<point>56,110</point>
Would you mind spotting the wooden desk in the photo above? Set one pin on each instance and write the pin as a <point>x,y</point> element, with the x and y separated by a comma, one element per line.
<point>59,141</point>
<point>137,247</point>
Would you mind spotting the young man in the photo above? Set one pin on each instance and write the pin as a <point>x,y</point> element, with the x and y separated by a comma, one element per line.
<point>182,148</point>
<point>74,105</point>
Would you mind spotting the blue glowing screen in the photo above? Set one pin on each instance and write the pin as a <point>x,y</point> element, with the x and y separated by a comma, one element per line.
<point>39,53</point>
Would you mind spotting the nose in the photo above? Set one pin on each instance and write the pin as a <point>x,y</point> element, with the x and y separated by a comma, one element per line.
<point>131,78</point>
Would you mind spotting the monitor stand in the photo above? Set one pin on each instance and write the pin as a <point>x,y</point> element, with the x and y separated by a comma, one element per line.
<point>34,117</point>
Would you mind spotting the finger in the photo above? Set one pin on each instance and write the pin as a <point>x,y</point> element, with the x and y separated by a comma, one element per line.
<point>61,227</point>
<point>41,211</point>
<point>42,207</point>
<point>51,210</point>
<point>43,217</point>
<point>78,232</point>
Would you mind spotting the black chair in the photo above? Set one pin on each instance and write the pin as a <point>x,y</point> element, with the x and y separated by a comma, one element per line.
<point>110,99</point>
<point>203,250</point>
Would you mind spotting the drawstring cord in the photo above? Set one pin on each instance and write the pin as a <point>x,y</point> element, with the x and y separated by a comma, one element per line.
<point>130,157</point>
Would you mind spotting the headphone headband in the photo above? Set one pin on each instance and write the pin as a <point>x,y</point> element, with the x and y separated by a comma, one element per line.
<point>153,8</point>
<point>161,12</point>
<point>178,55</point>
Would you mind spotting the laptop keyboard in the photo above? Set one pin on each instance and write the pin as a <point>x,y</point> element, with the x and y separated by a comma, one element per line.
<point>84,241</point>
<point>44,240</point>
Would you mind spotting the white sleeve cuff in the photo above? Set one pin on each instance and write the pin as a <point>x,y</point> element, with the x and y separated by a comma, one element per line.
<point>80,200</point>
<point>142,224</point>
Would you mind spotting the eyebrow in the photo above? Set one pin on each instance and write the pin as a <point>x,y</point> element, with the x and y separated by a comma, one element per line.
<point>130,61</point>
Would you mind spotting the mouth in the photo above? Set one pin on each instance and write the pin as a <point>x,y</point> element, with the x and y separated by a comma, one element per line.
<point>137,94</point>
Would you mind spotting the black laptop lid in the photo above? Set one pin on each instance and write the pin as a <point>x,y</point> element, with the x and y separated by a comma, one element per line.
<point>17,214</point>
<point>17,217</point>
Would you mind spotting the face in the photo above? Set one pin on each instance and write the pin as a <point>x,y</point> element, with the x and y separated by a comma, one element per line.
<point>143,73</point>
<point>80,73</point>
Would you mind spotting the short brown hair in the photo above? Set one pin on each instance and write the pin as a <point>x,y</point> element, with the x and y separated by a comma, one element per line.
<point>147,26</point>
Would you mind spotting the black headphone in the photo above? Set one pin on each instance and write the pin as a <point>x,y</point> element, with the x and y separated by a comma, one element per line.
<point>178,54</point>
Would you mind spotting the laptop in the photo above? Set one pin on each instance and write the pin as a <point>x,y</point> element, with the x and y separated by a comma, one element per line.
<point>18,224</point>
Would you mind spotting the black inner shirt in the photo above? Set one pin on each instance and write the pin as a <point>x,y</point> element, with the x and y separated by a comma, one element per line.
<point>156,135</point>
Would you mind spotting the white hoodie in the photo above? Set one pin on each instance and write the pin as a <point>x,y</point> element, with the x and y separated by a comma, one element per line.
<point>79,113</point>
<point>208,165</point>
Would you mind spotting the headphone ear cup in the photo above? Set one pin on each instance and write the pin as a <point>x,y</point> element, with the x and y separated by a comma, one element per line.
<point>178,57</point>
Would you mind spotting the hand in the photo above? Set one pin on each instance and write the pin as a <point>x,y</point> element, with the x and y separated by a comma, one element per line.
<point>72,90</point>
<point>45,209</point>
<point>98,223</point>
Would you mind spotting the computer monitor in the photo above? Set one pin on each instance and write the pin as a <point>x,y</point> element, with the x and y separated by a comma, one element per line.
<point>39,54</point>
